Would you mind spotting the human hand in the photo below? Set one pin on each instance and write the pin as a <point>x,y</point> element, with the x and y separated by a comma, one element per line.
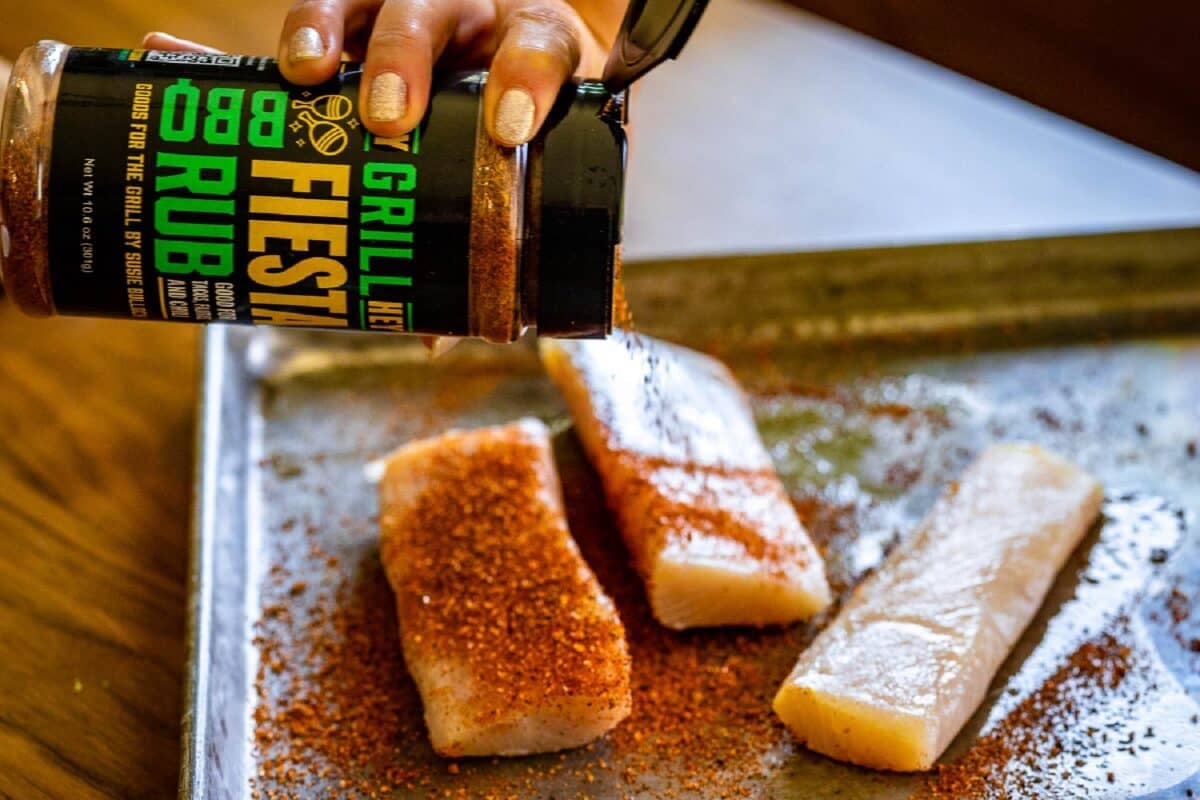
<point>530,46</point>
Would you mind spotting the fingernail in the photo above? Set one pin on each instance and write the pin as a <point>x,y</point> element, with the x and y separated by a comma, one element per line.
<point>306,44</point>
<point>388,99</point>
<point>514,116</point>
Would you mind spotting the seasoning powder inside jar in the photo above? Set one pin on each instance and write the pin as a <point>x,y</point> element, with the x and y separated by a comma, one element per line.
<point>197,187</point>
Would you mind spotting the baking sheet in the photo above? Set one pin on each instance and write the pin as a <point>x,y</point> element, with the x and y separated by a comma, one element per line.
<point>875,377</point>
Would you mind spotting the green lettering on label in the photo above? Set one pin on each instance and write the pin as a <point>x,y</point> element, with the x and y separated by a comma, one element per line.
<point>169,212</point>
<point>181,100</point>
<point>268,112</point>
<point>387,210</point>
<point>366,254</point>
<point>365,282</point>
<point>193,258</point>
<point>389,177</point>
<point>196,174</point>
<point>224,113</point>
<point>404,237</point>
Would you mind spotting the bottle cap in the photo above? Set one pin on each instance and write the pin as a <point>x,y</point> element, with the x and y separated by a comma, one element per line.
<point>576,217</point>
<point>652,32</point>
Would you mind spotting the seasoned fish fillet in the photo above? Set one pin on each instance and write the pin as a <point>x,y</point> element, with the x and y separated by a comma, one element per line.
<point>710,527</point>
<point>889,683</point>
<point>512,643</point>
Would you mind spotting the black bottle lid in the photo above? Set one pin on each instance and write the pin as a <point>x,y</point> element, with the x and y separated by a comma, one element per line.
<point>577,212</point>
<point>652,32</point>
<point>577,197</point>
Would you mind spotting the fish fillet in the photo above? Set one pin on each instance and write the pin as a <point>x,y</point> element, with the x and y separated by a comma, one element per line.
<point>892,680</point>
<point>710,527</point>
<point>512,643</point>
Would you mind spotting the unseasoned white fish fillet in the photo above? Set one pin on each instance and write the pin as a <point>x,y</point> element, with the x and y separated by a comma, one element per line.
<point>892,680</point>
<point>512,643</point>
<point>710,527</point>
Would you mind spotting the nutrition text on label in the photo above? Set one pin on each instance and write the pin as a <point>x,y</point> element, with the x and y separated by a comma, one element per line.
<point>87,208</point>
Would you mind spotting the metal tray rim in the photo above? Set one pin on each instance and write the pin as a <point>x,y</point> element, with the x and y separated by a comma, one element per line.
<point>199,627</point>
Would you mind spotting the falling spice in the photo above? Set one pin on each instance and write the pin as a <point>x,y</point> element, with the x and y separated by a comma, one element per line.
<point>622,314</point>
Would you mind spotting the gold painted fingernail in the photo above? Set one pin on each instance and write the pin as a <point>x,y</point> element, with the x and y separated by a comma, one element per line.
<point>514,116</point>
<point>388,99</point>
<point>306,44</point>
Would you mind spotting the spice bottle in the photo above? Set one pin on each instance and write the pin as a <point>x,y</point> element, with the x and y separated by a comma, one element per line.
<point>198,187</point>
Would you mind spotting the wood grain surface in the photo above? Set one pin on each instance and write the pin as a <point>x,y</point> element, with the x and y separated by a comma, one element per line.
<point>96,447</point>
<point>228,24</point>
<point>95,465</point>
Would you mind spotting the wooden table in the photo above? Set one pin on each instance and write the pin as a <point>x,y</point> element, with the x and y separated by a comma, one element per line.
<point>97,416</point>
<point>95,495</point>
<point>95,465</point>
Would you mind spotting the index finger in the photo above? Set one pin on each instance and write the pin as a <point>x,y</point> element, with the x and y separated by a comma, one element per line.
<point>314,36</point>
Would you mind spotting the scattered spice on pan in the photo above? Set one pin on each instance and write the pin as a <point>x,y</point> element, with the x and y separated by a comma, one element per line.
<point>1040,733</point>
<point>1179,604</point>
<point>1048,418</point>
<point>701,700</point>
<point>1185,625</point>
<point>285,465</point>
<point>846,531</point>
<point>338,710</point>
<point>339,717</point>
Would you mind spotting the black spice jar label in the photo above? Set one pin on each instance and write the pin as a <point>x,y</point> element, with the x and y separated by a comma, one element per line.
<point>196,187</point>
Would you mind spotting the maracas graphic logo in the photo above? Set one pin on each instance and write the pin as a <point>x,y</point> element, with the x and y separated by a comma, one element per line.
<point>322,115</point>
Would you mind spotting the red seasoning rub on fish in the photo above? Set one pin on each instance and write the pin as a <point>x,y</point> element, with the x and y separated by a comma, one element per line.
<point>510,639</point>
<point>707,520</point>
